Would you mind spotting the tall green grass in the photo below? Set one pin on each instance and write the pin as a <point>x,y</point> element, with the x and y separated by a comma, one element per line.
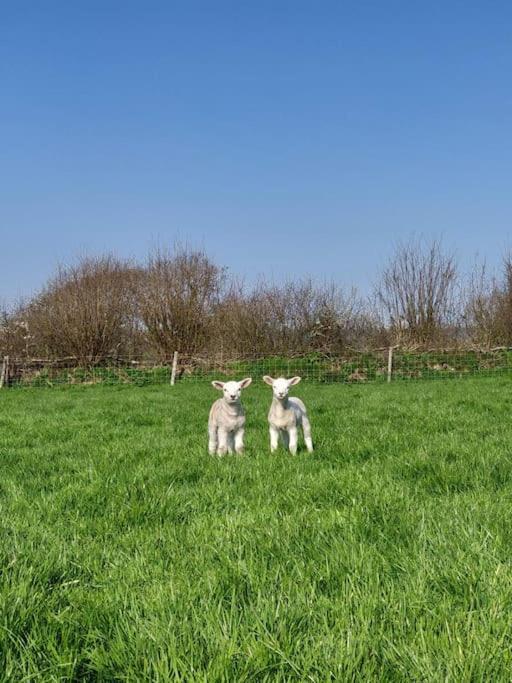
<point>128,554</point>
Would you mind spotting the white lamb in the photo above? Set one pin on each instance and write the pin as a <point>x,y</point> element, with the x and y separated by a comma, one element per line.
<point>227,419</point>
<point>286,415</point>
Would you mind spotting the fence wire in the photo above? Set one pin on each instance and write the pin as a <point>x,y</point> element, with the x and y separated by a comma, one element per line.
<point>380,365</point>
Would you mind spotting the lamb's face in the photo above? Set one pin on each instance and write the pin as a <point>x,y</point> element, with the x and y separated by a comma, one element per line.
<point>232,390</point>
<point>281,386</point>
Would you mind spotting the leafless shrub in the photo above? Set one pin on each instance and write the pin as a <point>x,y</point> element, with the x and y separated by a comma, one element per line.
<point>481,309</point>
<point>182,301</point>
<point>344,320</point>
<point>296,317</point>
<point>488,309</point>
<point>177,296</point>
<point>239,325</point>
<point>16,339</point>
<point>12,334</point>
<point>417,292</point>
<point>505,310</point>
<point>85,311</point>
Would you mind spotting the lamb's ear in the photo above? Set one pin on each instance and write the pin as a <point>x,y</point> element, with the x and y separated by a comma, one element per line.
<point>268,380</point>
<point>218,385</point>
<point>243,384</point>
<point>293,381</point>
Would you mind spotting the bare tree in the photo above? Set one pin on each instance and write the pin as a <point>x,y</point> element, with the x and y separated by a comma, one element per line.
<point>488,307</point>
<point>176,300</point>
<point>417,292</point>
<point>506,301</point>
<point>84,311</point>
<point>182,301</point>
<point>11,333</point>
<point>343,320</point>
<point>295,317</point>
<point>481,307</point>
<point>16,339</point>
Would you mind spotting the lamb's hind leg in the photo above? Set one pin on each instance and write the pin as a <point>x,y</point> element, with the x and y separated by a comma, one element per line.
<point>306,428</point>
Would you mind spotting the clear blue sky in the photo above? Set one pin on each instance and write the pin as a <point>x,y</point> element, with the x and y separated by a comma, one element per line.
<point>285,137</point>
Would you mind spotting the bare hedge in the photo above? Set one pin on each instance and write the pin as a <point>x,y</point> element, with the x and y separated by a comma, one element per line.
<point>105,307</point>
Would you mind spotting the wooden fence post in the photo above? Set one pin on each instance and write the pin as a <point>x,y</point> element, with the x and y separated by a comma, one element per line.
<point>174,368</point>
<point>4,375</point>
<point>390,363</point>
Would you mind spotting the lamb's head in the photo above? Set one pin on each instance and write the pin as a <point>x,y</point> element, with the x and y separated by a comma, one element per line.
<point>232,390</point>
<point>280,386</point>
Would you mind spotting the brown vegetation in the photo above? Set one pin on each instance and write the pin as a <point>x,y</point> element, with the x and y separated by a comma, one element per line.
<point>417,294</point>
<point>85,311</point>
<point>176,298</point>
<point>488,310</point>
<point>182,301</point>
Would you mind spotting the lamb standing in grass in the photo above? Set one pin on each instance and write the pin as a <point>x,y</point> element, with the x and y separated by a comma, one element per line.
<point>286,415</point>
<point>227,419</point>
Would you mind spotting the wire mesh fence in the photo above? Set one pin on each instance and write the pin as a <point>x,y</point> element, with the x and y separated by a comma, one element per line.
<point>380,365</point>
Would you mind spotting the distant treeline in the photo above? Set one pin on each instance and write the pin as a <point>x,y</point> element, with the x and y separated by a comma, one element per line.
<point>182,300</point>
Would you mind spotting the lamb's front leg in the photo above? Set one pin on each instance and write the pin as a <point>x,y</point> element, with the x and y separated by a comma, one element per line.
<point>231,442</point>
<point>292,432</point>
<point>285,438</point>
<point>274,438</point>
<point>222,448</point>
<point>239,440</point>
<point>212,439</point>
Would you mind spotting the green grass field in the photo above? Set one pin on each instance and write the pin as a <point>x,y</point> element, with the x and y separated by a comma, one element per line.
<point>129,554</point>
